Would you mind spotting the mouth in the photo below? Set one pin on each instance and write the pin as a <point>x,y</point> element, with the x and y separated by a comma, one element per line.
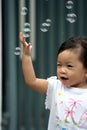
<point>65,80</point>
<point>62,78</point>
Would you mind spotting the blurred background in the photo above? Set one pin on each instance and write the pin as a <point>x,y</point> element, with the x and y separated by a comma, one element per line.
<point>46,24</point>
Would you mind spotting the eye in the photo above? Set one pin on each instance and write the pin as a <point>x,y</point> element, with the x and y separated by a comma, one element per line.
<point>58,64</point>
<point>70,66</point>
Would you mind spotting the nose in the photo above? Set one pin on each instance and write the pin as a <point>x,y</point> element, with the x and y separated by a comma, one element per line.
<point>62,69</point>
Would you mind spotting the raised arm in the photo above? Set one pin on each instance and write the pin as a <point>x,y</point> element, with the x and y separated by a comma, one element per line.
<point>31,80</point>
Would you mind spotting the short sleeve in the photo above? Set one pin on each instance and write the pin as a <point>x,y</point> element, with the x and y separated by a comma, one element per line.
<point>52,83</point>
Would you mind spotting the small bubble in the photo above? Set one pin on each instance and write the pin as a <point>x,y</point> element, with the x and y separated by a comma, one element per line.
<point>69,4</point>
<point>46,25</point>
<point>26,35</point>
<point>24,11</point>
<point>48,20</point>
<point>43,29</point>
<point>26,24</point>
<point>27,30</point>
<point>17,51</point>
<point>71,17</point>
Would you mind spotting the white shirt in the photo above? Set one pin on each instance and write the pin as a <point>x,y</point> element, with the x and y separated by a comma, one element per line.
<point>67,105</point>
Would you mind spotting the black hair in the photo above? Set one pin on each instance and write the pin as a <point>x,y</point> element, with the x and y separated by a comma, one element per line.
<point>74,43</point>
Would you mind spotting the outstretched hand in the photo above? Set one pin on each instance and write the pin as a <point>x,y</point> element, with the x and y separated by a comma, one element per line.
<point>26,46</point>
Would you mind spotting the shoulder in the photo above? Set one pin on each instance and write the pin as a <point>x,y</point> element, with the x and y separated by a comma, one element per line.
<point>53,80</point>
<point>54,84</point>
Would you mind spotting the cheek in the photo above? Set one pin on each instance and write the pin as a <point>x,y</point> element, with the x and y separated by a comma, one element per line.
<point>76,75</point>
<point>72,74</point>
<point>58,73</point>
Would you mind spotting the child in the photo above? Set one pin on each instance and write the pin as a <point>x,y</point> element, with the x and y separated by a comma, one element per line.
<point>67,92</point>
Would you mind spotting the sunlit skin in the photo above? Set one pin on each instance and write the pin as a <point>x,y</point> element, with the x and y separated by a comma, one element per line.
<point>70,69</point>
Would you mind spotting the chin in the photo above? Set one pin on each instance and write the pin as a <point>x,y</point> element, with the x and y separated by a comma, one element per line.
<point>67,85</point>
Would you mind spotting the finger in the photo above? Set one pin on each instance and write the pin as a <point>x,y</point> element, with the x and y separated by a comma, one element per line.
<point>30,46</point>
<point>22,38</point>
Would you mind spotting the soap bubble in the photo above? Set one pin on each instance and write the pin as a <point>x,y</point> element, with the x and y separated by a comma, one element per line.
<point>24,11</point>
<point>48,21</point>
<point>26,30</point>
<point>17,51</point>
<point>71,17</point>
<point>69,4</point>
<point>46,25</point>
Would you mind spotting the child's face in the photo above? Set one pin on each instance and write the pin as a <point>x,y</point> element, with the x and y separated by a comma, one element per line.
<point>70,69</point>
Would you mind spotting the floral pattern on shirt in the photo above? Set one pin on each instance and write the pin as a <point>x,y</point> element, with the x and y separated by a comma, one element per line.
<point>69,114</point>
